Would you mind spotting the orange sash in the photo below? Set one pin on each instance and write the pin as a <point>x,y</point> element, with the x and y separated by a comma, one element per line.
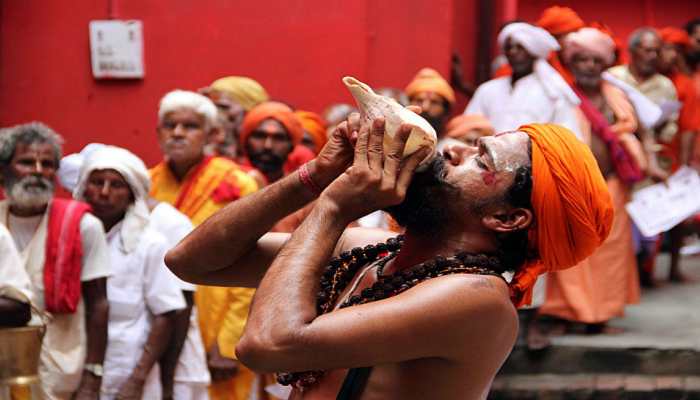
<point>214,179</point>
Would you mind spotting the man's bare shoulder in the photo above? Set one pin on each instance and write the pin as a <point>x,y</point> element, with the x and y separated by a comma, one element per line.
<point>471,293</point>
<point>361,237</point>
<point>472,307</point>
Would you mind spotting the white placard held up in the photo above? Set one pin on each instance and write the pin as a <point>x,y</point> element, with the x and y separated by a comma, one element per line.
<point>116,48</point>
<point>660,207</point>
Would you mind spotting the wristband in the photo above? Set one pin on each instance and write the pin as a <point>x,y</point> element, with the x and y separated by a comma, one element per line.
<point>305,178</point>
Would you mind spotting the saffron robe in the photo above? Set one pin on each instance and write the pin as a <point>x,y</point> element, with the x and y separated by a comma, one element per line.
<point>598,288</point>
<point>207,188</point>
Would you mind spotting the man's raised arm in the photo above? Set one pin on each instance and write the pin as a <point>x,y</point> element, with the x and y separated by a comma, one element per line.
<point>232,248</point>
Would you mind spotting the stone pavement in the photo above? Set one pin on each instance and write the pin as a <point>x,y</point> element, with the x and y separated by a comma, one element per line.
<point>657,356</point>
<point>668,317</point>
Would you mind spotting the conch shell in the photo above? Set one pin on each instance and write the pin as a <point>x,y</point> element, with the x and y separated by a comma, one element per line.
<point>374,106</point>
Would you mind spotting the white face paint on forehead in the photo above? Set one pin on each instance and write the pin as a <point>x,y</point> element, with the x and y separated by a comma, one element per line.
<point>508,150</point>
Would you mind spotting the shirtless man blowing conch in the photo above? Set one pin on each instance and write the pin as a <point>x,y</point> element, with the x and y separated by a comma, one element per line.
<point>425,315</point>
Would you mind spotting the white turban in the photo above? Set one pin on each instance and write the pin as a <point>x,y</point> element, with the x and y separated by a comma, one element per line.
<point>134,171</point>
<point>591,40</point>
<point>70,166</point>
<point>539,43</point>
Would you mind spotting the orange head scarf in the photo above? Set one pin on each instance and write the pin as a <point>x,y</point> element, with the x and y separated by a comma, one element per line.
<point>571,204</point>
<point>462,124</point>
<point>560,20</point>
<point>429,80</point>
<point>315,126</point>
<point>271,110</point>
<point>673,35</point>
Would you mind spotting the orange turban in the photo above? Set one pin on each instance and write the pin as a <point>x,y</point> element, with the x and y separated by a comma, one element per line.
<point>571,204</point>
<point>462,124</point>
<point>560,20</point>
<point>315,126</point>
<point>271,110</point>
<point>429,80</point>
<point>674,36</point>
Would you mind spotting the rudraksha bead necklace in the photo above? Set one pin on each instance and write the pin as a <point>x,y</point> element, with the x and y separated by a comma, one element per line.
<point>341,270</point>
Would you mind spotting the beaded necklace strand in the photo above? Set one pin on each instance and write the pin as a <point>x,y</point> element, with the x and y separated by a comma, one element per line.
<point>342,269</point>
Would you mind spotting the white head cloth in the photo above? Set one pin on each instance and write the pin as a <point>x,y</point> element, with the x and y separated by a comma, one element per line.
<point>134,171</point>
<point>69,169</point>
<point>590,40</point>
<point>539,43</point>
<point>648,112</point>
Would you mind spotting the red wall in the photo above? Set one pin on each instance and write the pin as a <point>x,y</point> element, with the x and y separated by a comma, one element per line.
<point>297,49</point>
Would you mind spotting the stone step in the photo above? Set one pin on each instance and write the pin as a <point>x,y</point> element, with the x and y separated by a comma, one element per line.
<point>595,387</point>
<point>600,360</point>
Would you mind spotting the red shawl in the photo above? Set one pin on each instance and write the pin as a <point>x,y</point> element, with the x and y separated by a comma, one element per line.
<point>627,170</point>
<point>64,253</point>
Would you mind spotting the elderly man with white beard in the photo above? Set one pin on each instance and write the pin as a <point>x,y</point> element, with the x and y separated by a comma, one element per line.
<point>65,254</point>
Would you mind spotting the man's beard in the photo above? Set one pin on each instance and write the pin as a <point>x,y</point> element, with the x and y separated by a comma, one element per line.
<point>587,81</point>
<point>648,68</point>
<point>271,162</point>
<point>424,209</point>
<point>435,122</point>
<point>693,58</point>
<point>29,192</point>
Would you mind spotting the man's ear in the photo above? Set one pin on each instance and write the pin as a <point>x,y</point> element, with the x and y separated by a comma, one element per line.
<point>216,136</point>
<point>511,220</point>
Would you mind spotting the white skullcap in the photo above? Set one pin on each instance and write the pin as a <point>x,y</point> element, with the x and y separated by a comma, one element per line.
<point>69,169</point>
<point>179,99</point>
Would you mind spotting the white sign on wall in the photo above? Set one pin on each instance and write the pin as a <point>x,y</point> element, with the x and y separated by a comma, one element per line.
<point>116,48</point>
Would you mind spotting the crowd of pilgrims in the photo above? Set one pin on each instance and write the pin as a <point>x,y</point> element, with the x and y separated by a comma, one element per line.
<point>123,326</point>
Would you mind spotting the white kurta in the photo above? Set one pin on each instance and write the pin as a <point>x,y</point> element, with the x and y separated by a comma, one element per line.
<point>508,107</point>
<point>192,364</point>
<point>139,289</point>
<point>63,349</point>
<point>14,281</point>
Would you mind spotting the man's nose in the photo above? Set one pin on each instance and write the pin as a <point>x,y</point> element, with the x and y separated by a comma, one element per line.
<point>457,153</point>
<point>105,189</point>
<point>179,130</point>
<point>38,168</point>
<point>268,142</point>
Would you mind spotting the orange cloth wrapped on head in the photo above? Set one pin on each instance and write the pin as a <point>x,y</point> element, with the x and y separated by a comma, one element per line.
<point>572,206</point>
<point>280,112</point>
<point>429,80</point>
<point>673,35</point>
<point>560,20</point>
<point>460,125</point>
<point>315,126</point>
